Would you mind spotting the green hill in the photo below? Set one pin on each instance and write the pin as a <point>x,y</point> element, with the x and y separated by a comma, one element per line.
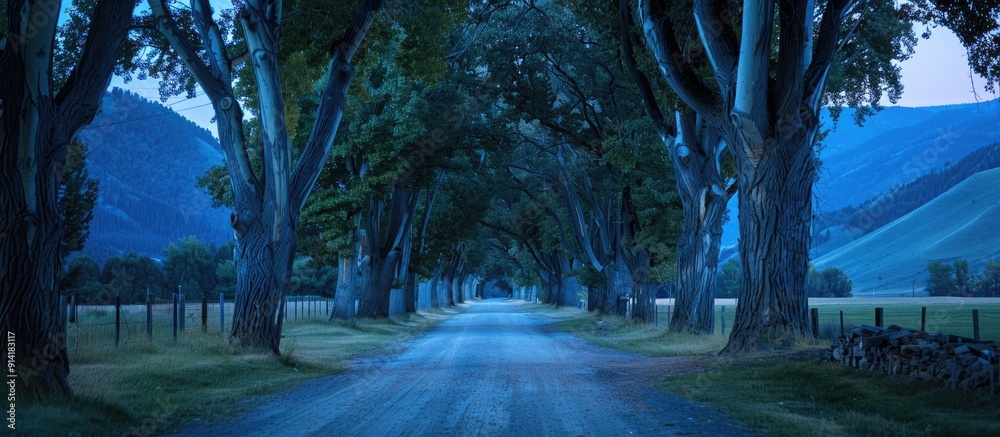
<point>961,223</point>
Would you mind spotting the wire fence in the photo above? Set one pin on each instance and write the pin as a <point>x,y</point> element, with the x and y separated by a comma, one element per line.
<point>166,320</point>
<point>973,320</point>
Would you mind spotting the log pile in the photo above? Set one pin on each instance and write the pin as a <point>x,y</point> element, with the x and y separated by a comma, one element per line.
<point>957,362</point>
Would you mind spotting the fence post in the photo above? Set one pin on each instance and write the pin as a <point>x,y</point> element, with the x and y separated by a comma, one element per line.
<point>183,320</point>
<point>222,312</point>
<point>879,319</point>
<point>72,308</point>
<point>63,312</point>
<point>975,324</point>
<point>118,318</point>
<point>841,324</point>
<point>204,312</point>
<point>309,305</point>
<point>723,320</point>
<point>173,304</point>
<point>923,318</point>
<point>149,315</point>
<point>814,312</point>
<point>296,309</point>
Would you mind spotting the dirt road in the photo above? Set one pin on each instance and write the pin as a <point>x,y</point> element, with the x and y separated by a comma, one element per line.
<point>493,370</point>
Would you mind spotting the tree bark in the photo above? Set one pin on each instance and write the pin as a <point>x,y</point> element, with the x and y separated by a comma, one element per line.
<point>375,293</point>
<point>434,292</point>
<point>644,294</point>
<point>263,269</point>
<point>775,213</point>
<point>410,292</point>
<point>343,299</point>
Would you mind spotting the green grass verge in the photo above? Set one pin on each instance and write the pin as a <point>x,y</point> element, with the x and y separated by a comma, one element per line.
<point>792,394</point>
<point>145,387</point>
<point>626,335</point>
<point>798,396</point>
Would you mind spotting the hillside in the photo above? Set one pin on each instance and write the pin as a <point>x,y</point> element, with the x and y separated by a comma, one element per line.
<point>147,159</point>
<point>901,153</point>
<point>961,223</point>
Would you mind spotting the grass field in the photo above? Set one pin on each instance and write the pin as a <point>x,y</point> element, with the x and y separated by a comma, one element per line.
<point>148,386</point>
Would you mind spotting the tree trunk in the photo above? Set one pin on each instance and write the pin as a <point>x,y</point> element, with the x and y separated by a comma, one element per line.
<point>456,286</point>
<point>263,269</point>
<point>37,123</point>
<point>775,213</point>
<point>343,300</point>
<point>434,292</point>
<point>375,294</point>
<point>697,261</point>
<point>410,292</point>
<point>644,294</point>
<point>569,286</point>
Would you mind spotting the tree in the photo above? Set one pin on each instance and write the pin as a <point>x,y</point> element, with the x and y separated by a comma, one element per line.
<point>941,280</point>
<point>729,278</point>
<point>964,283</point>
<point>767,93</point>
<point>830,282</point>
<point>697,153</point>
<point>190,265</point>
<point>267,199</point>
<point>83,278</point>
<point>77,197</point>
<point>989,286</point>
<point>131,276</point>
<point>52,87</point>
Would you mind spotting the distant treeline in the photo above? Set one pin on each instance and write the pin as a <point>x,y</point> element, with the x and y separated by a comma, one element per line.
<point>198,269</point>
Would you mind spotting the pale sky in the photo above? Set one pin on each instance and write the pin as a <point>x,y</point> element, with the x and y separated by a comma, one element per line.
<point>937,74</point>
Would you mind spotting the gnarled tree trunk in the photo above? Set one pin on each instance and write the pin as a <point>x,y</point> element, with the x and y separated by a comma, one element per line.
<point>37,123</point>
<point>263,269</point>
<point>775,213</point>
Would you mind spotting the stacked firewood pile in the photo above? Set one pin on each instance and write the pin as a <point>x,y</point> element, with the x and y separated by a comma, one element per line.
<point>956,362</point>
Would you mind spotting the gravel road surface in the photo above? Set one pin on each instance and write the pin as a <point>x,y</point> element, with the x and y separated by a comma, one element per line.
<point>493,370</point>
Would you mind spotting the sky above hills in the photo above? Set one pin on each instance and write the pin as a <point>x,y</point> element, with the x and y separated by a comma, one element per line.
<point>937,74</point>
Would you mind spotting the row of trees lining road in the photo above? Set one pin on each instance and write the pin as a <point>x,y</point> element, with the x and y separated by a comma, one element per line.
<point>493,138</point>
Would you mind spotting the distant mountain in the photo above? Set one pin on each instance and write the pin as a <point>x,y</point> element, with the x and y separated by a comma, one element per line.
<point>960,223</point>
<point>924,140</point>
<point>147,159</point>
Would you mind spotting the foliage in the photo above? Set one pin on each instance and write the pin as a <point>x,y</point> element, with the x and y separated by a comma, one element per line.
<point>83,277</point>
<point>989,285</point>
<point>728,279</point>
<point>77,196</point>
<point>829,282</point>
<point>941,280</point>
<point>191,266</point>
<point>130,277</point>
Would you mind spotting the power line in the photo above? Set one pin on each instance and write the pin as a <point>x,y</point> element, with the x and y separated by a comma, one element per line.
<point>146,117</point>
